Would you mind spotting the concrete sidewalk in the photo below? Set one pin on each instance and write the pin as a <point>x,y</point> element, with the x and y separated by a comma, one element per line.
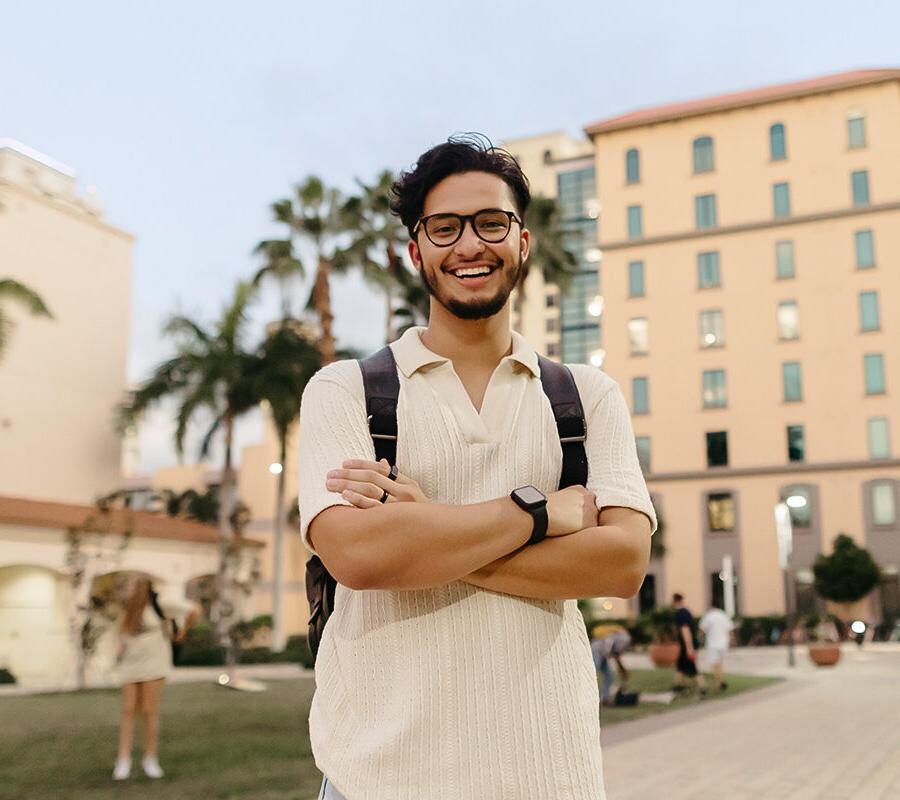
<point>825,734</point>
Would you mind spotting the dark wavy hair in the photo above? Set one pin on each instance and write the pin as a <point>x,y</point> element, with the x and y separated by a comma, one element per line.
<point>466,152</point>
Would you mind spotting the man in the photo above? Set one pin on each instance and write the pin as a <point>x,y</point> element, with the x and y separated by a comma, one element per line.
<point>717,627</point>
<point>456,663</point>
<point>686,666</point>
<point>610,641</point>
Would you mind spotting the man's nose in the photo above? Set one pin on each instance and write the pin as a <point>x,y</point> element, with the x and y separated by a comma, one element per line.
<point>469,245</point>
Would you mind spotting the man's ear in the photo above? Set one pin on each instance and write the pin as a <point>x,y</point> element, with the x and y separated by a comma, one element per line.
<point>414,254</point>
<point>525,244</point>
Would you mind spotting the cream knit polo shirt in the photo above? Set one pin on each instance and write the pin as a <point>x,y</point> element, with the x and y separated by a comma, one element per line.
<point>456,692</point>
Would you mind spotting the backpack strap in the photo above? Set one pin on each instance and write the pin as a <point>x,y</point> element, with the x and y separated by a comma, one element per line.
<point>562,392</point>
<point>382,386</point>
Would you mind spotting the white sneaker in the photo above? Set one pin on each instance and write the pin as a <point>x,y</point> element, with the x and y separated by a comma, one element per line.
<point>122,770</point>
<point>151,766</point>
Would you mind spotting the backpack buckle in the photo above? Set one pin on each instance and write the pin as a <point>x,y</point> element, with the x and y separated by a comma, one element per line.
<point>389,437</point>
<point>571,430</point>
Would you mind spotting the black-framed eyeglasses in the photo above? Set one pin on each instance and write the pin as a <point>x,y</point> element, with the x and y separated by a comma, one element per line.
<point>491,225</point>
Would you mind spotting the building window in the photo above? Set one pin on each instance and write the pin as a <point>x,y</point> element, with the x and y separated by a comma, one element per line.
<point>712,328</point>
<point>635,222</point>
<point>784,260</point>
<point>777,150</point>
<point>642,443</point>
<point>868,311</point>
<point>715,394</point>
<point>865,250</point>
<point>636,279</point>
<point>873,364</point>
<point>788,320</point>
<point>705,211</point>
<point>708,270</point>
<point>796,444</point>
<point>551,300</point>
<point>781,200</point>
<point>717,449</point>
<point>879,438</point>
<point>884,507</point>
<point>552,325</point>
<point>632,166</point>
<point>553,350</point>
<point>640,396</point>
<point>801,512</point>
<point>703,154</point>
<point>856,131</point>
<point>790,375</point>
<point>720,511</point>
<point>647,595</point>
<point>859,181</point>
<point>638,336</point>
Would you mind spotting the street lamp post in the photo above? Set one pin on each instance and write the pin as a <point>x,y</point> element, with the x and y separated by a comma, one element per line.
<point>784,529</point>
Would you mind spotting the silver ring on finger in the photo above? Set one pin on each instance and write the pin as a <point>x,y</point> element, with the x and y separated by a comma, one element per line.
<point>384,497</point>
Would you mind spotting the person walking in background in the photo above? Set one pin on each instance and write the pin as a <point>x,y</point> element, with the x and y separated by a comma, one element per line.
<point>144,660</point>
<point>686,666</point>
<point>717,627</point>
<point>609,643</point>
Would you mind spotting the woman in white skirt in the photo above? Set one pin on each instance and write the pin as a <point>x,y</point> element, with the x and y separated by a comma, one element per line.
<point>144,660</point>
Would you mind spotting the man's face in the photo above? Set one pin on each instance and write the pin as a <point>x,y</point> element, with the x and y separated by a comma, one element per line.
<point>470,297</point>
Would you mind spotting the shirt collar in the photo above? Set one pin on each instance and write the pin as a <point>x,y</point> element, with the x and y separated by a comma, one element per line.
<point>411,355</point>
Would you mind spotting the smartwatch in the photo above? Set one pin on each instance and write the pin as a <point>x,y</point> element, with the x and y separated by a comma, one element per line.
<point>534,501</point>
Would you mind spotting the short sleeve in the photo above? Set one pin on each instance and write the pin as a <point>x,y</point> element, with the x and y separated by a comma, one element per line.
<point>333,428</point>
<point>614,473</point>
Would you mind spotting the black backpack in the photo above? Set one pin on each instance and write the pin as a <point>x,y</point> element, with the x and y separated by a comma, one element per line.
<point>382,387</point>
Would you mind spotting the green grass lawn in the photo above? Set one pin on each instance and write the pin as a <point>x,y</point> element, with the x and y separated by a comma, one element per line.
<point>215,743</point>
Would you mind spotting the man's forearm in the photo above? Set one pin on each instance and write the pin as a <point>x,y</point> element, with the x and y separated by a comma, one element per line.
<point>606,561</point>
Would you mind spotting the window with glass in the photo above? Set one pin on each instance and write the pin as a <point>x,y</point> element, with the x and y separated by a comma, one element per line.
<point>788,320</point>
<point>640,395</point>
<point>784,259</point>
<point>879,438</point>
<point>799,503</point>
<point>717,449</point>
<point>552,325</point>
<point>865,249</point>
<point>550,301</point>
<point>553,350</point>
<point>720,511</point>
<point>859,182</point>
<point>642,443</point>
<point>712,328</point>
<point>781,200</point>
<point>703,154</point>
<point>632,166</point>
<point>638,336</point>
<point>791,380</point>
<point>635,222</point>
<point>777,149</point>
<point>884,503</point>
<point>796,445</point>
<point>868,311</point>
<point>873,365</point>
<point>705,211</point>
<point>856,131</point>
<point>708,270</point>
<point>636,279</point>
<point>715,394</point>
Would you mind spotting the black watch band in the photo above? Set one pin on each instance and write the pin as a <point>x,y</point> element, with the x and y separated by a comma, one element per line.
<point>532,500</point>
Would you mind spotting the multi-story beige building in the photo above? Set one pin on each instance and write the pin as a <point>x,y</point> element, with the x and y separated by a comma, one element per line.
<point>749,247</point>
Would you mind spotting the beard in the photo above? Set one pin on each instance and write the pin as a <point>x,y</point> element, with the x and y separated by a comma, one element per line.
<point>476,309</point>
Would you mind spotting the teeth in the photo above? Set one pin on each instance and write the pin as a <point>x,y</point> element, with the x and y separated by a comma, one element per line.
<point>474,271</point>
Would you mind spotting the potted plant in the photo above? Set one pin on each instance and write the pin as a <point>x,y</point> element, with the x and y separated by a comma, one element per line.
<point>845,576</point>
<point>663,633</point>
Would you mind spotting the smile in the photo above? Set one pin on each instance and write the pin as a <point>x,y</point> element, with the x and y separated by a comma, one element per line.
<point>472,273</point>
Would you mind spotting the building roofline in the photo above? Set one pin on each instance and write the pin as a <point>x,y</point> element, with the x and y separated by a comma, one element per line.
<point>45,514</point>
<point>750,97</point>
<point>36,155</point>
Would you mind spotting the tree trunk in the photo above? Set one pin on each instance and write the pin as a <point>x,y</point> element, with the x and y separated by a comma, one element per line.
<point>321,297</point>
<point>278,636</point>
<point>224,607</point>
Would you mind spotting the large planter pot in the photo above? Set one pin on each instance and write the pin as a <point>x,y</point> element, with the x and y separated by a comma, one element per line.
<point>825,654</point>
<point>663,654</point>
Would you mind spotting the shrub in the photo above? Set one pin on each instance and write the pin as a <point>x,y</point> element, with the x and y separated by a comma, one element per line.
<point>848,574</point>
<point>6,676</point>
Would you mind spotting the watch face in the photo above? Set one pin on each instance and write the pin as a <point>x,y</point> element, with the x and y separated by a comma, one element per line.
<point>530,496</point>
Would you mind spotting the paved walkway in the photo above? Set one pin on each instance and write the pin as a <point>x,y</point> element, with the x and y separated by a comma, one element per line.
<point>823,734</point>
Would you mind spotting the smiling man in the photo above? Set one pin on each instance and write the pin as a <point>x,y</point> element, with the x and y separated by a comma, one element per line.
<point>456,663</point>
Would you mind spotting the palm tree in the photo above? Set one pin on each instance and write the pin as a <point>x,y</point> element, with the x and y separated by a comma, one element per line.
<point>14,291</point>
<point>548,245</point>
<point>213,372</point>
<point>287,360</point>
<point>282,264</point>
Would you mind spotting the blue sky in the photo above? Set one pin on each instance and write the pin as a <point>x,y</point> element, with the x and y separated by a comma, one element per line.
<point>191,118</point>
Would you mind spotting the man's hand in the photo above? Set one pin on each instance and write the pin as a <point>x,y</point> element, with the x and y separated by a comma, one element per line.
<point>570,510</point>
<point>363,483</point>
